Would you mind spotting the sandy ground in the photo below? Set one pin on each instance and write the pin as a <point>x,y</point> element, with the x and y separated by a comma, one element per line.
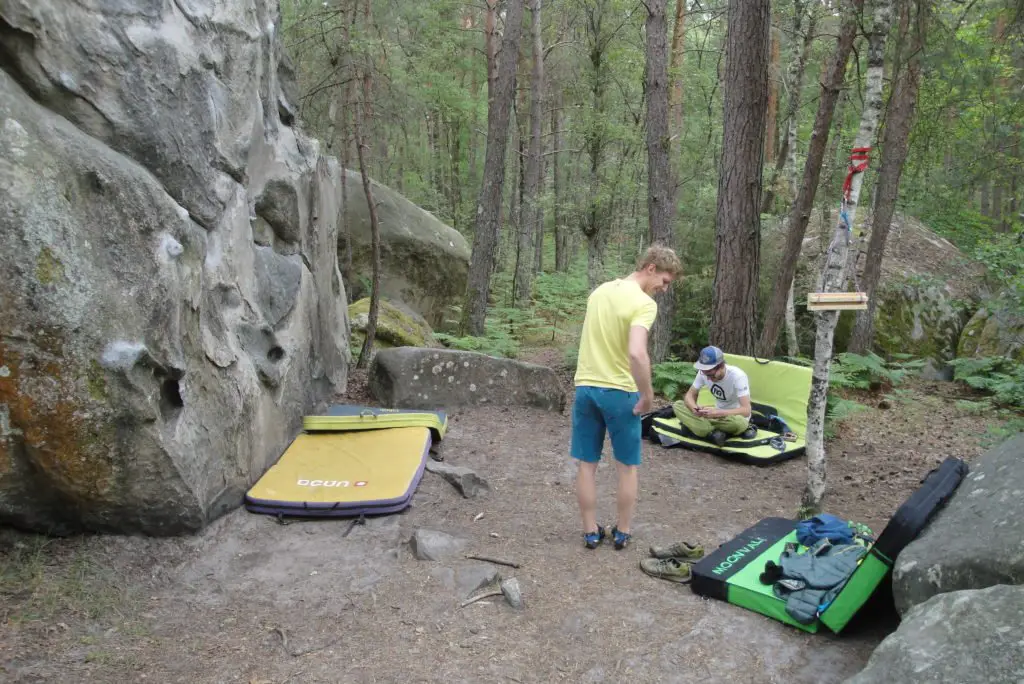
<point>252,601</point>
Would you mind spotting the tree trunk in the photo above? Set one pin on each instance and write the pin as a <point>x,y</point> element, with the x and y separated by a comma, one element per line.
<point>833,276</point>
<point>371,324</point>
<point>771,124</point>
<point>738,230</point>
<point>526,255</point>
<point>794,86</point>
<point>538,236</point>
<point>899,121</point>
<point>561,230</point>
<point>596,216</point>
<point>792,343</point>
<point>660,185</point>
<point>801,210</point>
<point>478,285</point>
<point>676,69</point>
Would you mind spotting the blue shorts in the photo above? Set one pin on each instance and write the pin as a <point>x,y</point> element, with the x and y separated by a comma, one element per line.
<point>598,409</point>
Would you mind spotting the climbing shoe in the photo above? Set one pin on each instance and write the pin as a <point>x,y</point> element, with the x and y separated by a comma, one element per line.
<point>678,550</point>
<point>621,539</point>
<point>594,539</point>
<point>718,437</point>
<point>750,432</point>
<point>671,569</point>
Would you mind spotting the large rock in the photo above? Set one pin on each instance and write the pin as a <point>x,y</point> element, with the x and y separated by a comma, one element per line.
<point>396,327</point>
<point>919,318</point>
<point>977,540</point>
<point>993,330</point>
<point>424,263</point>
<point>963,637</point>
<point>925,289</point>
<point>169,287</point>
<point>408,377</point>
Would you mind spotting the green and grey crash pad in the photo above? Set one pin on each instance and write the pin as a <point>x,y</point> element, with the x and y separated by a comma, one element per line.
<point>732,572</point>
<point>776,388</point>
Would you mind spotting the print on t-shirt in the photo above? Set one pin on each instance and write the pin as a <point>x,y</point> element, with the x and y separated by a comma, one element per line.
<point>728,390</point>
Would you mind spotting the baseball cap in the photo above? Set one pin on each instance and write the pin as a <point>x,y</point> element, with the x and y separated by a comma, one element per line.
<point>709,358</point>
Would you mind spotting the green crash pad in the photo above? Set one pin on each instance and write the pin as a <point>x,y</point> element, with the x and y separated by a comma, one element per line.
<point>732,572</point>
<point>777,388</point>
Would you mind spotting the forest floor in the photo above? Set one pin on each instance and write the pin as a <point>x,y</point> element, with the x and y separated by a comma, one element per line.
<point>251,601</point>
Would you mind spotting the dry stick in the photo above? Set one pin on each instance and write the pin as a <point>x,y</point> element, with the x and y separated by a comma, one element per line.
<point>511,564</point>
<point>480,597</point>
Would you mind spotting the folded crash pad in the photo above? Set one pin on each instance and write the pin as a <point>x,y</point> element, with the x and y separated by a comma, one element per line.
<point>776,389</point>
<point>349,417</point>
<point>344,473</point>
<point>732,572</point>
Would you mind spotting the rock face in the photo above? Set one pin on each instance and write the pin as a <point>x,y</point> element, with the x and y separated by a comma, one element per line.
<point>993,331</point>
<point>963,637</point>
<point>424,263</point>
<point>920,319</point>
<point>396,327</point>
<point>976,540</point>
<point>408,377</point>
<point>169,287</point>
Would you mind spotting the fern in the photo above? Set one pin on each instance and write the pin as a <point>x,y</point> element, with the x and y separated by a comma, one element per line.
<point>671,379</point>
<point>1001,377</point>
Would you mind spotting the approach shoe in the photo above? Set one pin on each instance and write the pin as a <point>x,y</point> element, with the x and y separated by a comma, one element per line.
<point>622,539</point>
<point>678,550</point>
<point>718,437</point>
<point>671,569</point>
<point>750,432</point>
<point>593,539</point>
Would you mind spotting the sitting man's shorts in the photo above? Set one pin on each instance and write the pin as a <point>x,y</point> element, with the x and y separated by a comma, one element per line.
<point>598,409</point>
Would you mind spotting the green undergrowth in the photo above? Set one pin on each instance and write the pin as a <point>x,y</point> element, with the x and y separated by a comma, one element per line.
<point>552,319</point>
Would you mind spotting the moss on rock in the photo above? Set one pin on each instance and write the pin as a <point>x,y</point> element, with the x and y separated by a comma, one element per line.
<point>993,331</point>
<point>396,327</point>
<point>918,317</point>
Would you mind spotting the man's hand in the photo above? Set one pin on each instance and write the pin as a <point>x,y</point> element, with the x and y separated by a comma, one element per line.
<point>698,411</point>
<point>644,405</point>
<point>713,413</point>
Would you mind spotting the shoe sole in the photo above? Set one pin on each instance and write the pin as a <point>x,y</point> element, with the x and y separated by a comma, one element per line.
<point>669,578</point>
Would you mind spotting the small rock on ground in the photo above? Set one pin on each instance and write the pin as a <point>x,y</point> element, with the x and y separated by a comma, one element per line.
<point>433,545</point>
<point>469,484</point>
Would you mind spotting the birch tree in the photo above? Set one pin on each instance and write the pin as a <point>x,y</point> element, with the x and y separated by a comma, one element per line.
<point>895,145</point>
<point>833,275</point>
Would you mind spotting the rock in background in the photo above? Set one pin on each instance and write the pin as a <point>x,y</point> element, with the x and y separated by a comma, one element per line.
<point>409,377</point>
<point>169,287</point>
<point>396,327</point>
<point>424,263</point>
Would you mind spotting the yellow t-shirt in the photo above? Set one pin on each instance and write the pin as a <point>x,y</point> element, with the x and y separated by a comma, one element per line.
<point>612,309</point>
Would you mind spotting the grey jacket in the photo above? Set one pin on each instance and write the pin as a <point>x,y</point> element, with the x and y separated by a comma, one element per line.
<point>813,578</point>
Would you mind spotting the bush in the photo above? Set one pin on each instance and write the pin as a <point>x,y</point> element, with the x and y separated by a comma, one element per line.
<point>1000,377</point>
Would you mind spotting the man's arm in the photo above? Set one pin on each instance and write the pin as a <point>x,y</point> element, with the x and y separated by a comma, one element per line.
<point>640,365</point>
<point>691,399</point>
<point>742,410</point>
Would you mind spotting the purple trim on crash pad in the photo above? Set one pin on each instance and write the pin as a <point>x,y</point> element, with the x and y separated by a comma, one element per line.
<point>341,509</point>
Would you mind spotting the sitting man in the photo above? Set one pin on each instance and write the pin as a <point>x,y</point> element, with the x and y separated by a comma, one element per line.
<point>731,390</point>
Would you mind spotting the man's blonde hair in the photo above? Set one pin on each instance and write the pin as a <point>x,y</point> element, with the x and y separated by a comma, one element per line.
<point>664,260</point>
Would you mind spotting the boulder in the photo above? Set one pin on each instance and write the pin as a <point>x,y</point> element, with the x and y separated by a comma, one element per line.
<point>963,637</point>
<point>169,288</point>
<point>424,263</point>
<point>396,327</point>
<point>994,330</point>
<point>976,540</point>
<point>409,377</point>
<point>919,318</point>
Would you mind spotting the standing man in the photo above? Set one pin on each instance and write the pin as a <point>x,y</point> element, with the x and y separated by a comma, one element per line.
<point>613,385</point>
<point>730,388</point>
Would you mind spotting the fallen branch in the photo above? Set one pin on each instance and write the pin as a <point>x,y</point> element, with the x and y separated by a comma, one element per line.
<point>480,597</point>
<point>488,559</point>
<point>297,654</point>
